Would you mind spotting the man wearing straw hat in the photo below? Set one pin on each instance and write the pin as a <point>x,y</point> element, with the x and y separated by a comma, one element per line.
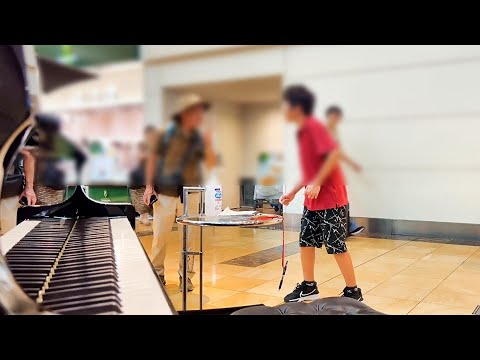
<point>175,161</point>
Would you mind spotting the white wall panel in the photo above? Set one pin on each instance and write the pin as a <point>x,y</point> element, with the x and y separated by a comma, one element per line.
<point>241,65</point>
<point>440,90</point>
<point>154,52</point>
<point>408,143</point>
<point>446,196</point>
<point>331,60</point>
<point>412,120</point>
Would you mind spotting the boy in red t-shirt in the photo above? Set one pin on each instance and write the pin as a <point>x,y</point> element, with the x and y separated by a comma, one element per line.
<point>324,220</point>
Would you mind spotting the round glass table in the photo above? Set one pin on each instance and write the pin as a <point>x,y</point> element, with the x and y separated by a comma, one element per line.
<point>232,220</point>
<point>255,220</point>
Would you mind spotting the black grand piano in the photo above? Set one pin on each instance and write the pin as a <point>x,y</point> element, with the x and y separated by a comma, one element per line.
<point>76,257</point>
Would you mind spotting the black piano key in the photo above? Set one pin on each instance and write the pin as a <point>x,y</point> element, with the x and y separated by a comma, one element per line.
<point>39,245</point>
<point>70,272</point>
<point>32,252</point>
<point>32,283</point>
<point>98,234</point>
<point>70,299</point>
<point>92,278</point>
<point>98,254</point>
<point>84,281</point>
<point>103,308</point>
<point>83,265</point>
<point>80,291</point>
<point>89,253</point>
<point>87,247</point>
<point>28,254</point>
<point>17,269</point>
<point>33,261</point>
<point>87,259</point>
<point>76,301</point>
<point>69,275</point>
<point>81,283</point>
<point>30,277</point>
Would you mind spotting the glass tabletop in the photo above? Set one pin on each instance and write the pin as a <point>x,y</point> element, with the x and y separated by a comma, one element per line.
<point>243,220</point>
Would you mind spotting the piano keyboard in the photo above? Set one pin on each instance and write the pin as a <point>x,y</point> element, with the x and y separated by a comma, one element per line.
<point>84,266</point>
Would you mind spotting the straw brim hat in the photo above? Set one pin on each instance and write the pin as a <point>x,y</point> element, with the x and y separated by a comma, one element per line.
<point>187,102</point>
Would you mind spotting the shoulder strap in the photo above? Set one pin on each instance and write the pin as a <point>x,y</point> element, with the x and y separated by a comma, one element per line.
<point>194,143</point>
<point>165,140</point>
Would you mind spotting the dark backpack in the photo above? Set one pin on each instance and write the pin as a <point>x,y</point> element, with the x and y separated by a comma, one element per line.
<point>174,182</point>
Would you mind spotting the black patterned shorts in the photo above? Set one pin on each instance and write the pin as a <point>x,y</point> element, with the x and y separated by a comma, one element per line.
<point>327,227</point>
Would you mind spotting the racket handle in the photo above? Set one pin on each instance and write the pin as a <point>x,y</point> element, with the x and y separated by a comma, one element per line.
<point>283,275</point>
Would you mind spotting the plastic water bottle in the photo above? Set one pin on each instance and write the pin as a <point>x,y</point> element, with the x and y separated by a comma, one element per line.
<point>213,196</point>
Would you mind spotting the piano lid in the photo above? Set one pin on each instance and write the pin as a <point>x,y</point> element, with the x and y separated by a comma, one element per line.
<point>55,75</point>
<point>14,98</point>
<point>14,124</point>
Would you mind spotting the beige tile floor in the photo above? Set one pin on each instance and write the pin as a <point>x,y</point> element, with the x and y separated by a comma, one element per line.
<point>397,276</point>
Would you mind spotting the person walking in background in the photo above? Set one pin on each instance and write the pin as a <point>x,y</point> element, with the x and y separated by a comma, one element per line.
<point>174,162</point>
<point>137,176</point>
<point>18,186</point>
<point>324,220</point>
<point>334,116</point>
<point>52,150</point>
<point>150,136</point>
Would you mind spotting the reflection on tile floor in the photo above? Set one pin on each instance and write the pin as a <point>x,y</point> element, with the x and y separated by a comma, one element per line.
<point>264,256</point>
<point>398,276</point>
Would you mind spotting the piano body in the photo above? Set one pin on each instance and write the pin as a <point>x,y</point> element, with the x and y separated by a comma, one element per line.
<point>77,257</point>
<point>83,257</point>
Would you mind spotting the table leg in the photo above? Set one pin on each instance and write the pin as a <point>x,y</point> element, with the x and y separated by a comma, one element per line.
<point>201,212</point>
<point>185,264</point>
<point>201,268</point>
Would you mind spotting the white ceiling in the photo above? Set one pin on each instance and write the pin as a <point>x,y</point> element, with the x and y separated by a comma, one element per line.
<point>251,91</point>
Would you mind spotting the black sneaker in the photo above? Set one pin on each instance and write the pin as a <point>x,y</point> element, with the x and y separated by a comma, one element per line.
<point>355,293</point>
<point>357,231</point>
<point>303,292</point>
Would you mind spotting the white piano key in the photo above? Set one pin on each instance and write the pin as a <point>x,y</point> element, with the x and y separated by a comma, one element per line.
<point>8,240</point>
<point>140,290</point>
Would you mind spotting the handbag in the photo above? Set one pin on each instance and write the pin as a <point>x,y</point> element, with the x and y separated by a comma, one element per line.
<point>14,181</point>
<point>50,176</point>
<point>137,177</point>
<point>12,186</point>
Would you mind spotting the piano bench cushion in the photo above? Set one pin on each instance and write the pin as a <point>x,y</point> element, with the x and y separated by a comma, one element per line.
<point>326,306</point>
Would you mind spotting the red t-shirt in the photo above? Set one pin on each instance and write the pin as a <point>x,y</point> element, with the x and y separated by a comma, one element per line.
<point>314,144</point>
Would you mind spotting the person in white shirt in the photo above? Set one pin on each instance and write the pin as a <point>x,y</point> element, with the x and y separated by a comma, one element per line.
<point>334,116</point>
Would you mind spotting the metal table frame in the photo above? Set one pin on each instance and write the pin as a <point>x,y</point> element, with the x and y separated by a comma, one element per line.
<point>187,221</point>
<point>186,191</point>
